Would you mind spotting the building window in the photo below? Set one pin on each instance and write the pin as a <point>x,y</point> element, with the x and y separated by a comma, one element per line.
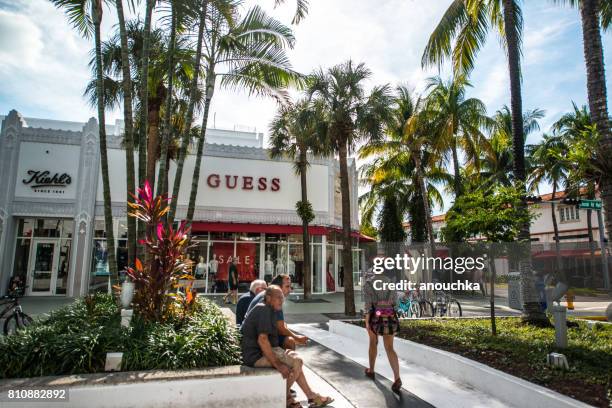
<point>99,280</point>
<point>569,214</point>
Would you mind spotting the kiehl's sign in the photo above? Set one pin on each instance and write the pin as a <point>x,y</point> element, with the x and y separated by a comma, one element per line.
<point>243,182</point>
<point>43,181</point>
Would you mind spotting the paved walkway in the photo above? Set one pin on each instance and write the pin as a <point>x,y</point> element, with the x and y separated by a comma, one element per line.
<point>341,361</point>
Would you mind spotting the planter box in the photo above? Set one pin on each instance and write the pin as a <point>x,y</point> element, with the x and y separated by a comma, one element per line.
<point>507,388</point>
<point>217,387</point>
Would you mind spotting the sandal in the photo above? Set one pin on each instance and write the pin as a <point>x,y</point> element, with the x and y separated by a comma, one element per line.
<point>292,403</point>
<point>369,373</point>
<point>319,401</point>
<point>397,386</point>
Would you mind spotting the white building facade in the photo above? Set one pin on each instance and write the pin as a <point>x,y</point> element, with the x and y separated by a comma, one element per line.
<point>52,224</point>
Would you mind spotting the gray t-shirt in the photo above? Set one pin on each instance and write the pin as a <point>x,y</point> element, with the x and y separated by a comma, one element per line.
<point>261,319</point>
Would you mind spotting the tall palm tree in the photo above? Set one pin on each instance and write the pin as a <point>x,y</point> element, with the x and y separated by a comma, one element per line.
<point>83,20</point>
<point>460,35</point>
<point>455,120</point>
<point>246,55</point>
<point>294,133</point>
<point>351,115</point>
<point>594,15</point>
<point>128,133</point>
<point>548,164</point>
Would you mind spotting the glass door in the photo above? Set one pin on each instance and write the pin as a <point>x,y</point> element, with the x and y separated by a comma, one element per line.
<point>43,272</point>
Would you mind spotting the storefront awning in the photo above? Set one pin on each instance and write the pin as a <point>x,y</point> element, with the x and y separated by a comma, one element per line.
<point>203,226</point>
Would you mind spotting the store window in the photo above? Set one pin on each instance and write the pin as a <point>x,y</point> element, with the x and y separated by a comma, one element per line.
<point>317,268</point>
<point>99,280</point>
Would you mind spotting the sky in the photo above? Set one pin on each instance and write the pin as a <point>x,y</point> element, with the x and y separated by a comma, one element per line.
<point>44,62</point>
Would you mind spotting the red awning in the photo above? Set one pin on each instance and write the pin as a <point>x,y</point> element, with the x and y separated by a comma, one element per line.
<point>566,253</point>
<point>204,226</point>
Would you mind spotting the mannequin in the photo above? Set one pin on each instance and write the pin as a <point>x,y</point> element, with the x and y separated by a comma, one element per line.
<point>201,268</point>
<point>280,267</point>
<point>213,266</point>
<point>291,268</point>
<point>268,268</point>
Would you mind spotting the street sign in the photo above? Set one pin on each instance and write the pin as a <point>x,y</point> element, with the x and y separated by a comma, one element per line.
<point>590,204</point>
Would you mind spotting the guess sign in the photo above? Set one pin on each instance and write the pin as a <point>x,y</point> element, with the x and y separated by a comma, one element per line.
<point>45,181</point>
<point>243,182</point>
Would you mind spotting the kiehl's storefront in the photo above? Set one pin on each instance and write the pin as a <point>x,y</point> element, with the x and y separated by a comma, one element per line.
<point>52,231</point>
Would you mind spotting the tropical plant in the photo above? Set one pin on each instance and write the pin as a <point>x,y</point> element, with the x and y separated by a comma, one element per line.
<point>456,122</point>
<point>86,16</point>
<point>246,55</point>
<point>294,133</point>
<point>165,263</point>
<point>594,15</point>
<point>350,115</point>
<point>548,164</point>
<point>461,33</point>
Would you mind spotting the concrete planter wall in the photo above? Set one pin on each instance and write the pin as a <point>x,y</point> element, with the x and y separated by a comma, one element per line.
<point>218,387</point>
<point>505,387</point>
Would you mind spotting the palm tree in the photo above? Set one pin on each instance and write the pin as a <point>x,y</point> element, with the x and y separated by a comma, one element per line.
<point>455,120</point>
<point>294,133</point>
<point>460,35</point>
<point>248,55</point>
<point>594,15</point>
<point>548,164</point>
<point>128,137</point>
<point>496,156</point>
<point>351,115</point>
<point>82,20</point>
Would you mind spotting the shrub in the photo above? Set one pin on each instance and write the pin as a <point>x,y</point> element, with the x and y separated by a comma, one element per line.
<point>76,338</point>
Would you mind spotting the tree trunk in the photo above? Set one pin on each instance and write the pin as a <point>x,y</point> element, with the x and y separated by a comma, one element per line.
<point>492,294</point>
<point>193,89</point>
<point>597,95</point>
<point>347,258</point>
<point>144,111</point>
<point>591,247</point>
<point>128,133</point>
<point>153,134</point>
<point>532,312</point>
<point>457,173</point>
<point>108,213</point>
<point>210,89</point>
<point>426,209</point>
<point>305,235</point>
<point>166,127</point>
<point>560,274</point>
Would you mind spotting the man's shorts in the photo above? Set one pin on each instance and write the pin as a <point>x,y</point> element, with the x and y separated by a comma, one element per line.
<point>287,357</point>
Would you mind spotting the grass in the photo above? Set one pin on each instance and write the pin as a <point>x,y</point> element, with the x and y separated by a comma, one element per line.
<point>521,350</point>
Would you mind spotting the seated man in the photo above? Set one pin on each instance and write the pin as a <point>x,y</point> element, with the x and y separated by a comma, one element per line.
<point>260,348</point>
<point>257,286</point>
<point>287,339</point>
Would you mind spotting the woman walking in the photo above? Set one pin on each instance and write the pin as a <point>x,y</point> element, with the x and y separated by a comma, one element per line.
<point>381,320</point>
<point>232,283</point>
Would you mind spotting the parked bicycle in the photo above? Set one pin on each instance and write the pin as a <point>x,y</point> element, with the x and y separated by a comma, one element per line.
<point>15,318</point>
<point>446,305</point>
<point>408,306</point>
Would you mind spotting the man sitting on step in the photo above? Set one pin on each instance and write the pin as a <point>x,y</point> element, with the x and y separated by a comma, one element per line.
<point>260,347</point>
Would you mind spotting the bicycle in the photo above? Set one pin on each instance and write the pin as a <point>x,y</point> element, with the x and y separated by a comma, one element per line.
<point>409,306</point>
<point>446,305</point>
<point>15,318</point>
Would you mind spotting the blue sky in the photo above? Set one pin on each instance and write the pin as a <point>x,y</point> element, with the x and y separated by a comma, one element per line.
<point>43,62</point>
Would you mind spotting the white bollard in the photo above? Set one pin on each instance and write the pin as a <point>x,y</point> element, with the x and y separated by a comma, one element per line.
<point>126,317</point>
<point>560,317</point>
<point>113,362</point>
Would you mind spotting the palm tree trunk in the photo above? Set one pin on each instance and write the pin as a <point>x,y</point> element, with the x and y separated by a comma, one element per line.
<point>559,273</point>
<point>210,89</point>
<point>305,235</point>
<point>347,259</point>
<point>457,174</point>
<point>591,247</point>
<point>128,133</point>
<point>144,110</point>
<point>193,89</point>
<point>426,209</point>
<point>532,312</point>
<point>108,213</point>
<point>163,163</point>
<point>597,94</point>
<point>153,137</point>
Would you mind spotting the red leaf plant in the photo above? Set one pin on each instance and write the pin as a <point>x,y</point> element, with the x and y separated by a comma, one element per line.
<point>165,256</point>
